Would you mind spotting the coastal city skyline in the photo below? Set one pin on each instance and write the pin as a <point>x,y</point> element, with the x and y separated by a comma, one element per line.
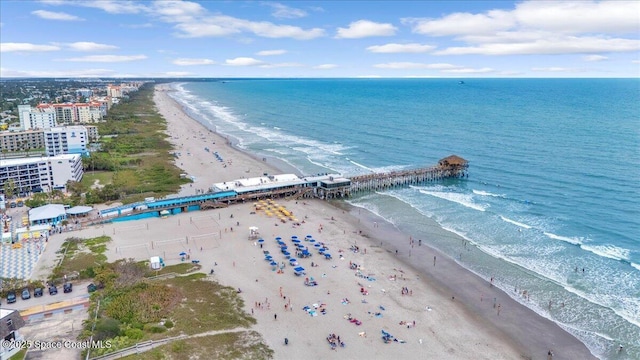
<point>59,38</point>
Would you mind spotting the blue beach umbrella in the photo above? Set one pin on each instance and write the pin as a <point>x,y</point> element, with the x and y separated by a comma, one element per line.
<point>296,241</point>
<point>294,237</point>
<point>312,240</point>
<point>273,263</point>
<point>278,238</point>
<point>182,253</point>
<point>261,241</point>
<point>317,245</point>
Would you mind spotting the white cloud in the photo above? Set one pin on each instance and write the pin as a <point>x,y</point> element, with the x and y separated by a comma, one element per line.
<point>463,23</point>
<point>177,11</point>
<point>50,15</point>
<point>107,58</point>
<point>635,61</point>
<point>243,61</point>
<point>26,47</point>
<point>580,16</point>
<point>6,73</point>
<point>595,58</point>
<point>90,46</point>
<point>191,62</point>
<point>547,45</point>
<point>113,6</point>
<point>227,25</point>
<point>539,27</point>
<point>325,66</point>
<point>414,65</point>
<point>285,12</point>
<point>137,26</point>
<point>365,28</point>
<point>469,71</point>
<point>270,52</point>
<point>281,65</point>
<point>178,73</point>
<point>553,69</point>
<point>401,48</point>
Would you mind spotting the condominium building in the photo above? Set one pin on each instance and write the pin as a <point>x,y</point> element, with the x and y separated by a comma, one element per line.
<point>66,140</point>
<point>21,140</point>
<point>41,173</point>
<point>38,118</point>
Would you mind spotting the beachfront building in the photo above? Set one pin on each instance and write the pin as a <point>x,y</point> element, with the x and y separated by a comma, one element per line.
<point>47,214</point>
<point>11,141</point>
<point>41,173</point>
<point>41,117</point>
<point>262,184</point>
<point>10,323</point>
<point>66,140</point>
<point>77,113</point>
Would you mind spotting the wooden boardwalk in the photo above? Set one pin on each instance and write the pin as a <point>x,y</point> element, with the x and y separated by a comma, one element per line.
<point>325,188</point>
<point>449,167</point>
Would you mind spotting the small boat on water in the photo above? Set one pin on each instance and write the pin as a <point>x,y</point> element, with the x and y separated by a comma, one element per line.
<point>461,82</point>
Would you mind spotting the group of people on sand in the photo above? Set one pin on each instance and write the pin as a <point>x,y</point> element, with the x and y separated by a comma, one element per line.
<point>334,341</point>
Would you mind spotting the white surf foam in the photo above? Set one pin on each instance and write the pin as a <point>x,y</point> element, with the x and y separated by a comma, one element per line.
<point>522,225</point>
<point>486,193</point>
<point>462,199</point>
<point>608,251</point>
<point>570,240</point>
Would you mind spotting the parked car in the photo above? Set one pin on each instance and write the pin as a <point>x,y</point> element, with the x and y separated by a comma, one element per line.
<point>26,294</point>
<point>67,287</point>
<point>20,203</point>
<point>12,205</point>
<point>92,287</point>
<point>11,297</point>
<point>37,292</point>
<point>53,289</point>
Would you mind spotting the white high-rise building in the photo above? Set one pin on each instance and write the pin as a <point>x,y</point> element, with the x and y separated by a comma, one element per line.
<point>66,140</point>
<point>41,173</point>
<point>38,118</point>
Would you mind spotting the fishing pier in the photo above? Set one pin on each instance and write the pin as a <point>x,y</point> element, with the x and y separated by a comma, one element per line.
<point>290,186</point>
<point>449,167</point>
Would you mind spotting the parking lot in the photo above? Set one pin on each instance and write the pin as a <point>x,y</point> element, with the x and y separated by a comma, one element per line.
<point>79,291</point>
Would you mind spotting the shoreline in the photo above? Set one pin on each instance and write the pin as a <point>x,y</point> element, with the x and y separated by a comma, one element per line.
<point>449,277</point>
<point>459,326</point>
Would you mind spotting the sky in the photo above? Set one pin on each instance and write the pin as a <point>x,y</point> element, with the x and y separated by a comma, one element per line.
<point>460,39</point>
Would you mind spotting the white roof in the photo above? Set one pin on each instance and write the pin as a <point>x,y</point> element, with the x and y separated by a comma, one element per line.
<point>261,182</point>
<point>79,210</point>
<point>45,212</point>
<point>34,160</point>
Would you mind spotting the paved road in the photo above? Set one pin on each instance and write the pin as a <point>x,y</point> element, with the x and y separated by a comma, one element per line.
<point>79,292</point>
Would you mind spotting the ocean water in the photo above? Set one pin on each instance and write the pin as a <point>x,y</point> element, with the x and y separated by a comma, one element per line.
<point>553,186</point>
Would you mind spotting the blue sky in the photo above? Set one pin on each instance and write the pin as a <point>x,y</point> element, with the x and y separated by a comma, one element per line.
<point>61,38</point>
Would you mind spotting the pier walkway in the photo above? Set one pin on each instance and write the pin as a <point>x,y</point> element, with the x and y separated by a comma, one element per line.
<point>327,186</point>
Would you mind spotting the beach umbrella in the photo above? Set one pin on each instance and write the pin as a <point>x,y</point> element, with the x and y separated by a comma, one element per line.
<point>309,237</point>
<point>182,253</point>
<point>294,237</point>
<point>261,241</point>
<point>321,250</point>
<point>312,240</point>
<point>317,245</point>
<point>273,263</point>
<point>296,241</point>
<point>278,238</point>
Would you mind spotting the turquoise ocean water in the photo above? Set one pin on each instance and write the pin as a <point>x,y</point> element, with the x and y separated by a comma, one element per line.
<point>553,187</point>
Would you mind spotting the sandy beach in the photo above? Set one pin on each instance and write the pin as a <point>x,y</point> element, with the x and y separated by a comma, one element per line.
<point>431,306</point>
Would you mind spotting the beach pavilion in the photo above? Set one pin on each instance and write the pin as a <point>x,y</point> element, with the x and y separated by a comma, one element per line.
<point>79,211</point>
<point>47,214</point>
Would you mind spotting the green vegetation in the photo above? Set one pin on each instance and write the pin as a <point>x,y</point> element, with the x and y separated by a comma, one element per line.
<point>20,355</point>
<point>81,256</point>
<point>134,309</point>
<point>232,345</point>
<point>181,268</point>
<point>134,159</point>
